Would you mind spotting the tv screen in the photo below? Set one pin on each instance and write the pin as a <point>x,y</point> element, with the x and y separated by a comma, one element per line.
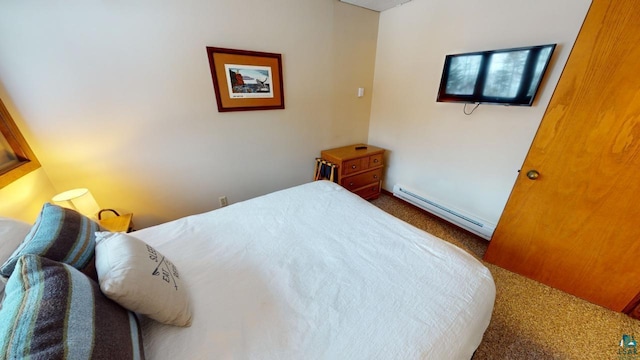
<point>504,77</point>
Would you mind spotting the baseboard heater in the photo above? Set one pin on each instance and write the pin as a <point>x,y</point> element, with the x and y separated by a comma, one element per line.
<point>468,222</point>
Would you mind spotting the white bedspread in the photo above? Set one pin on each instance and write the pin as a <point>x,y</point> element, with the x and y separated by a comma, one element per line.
<point>314,272</point>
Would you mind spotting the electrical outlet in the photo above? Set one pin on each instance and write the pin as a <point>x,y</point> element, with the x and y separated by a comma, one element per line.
<point>223,201</point>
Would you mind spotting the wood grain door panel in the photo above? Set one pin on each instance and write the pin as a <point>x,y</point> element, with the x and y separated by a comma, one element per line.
<point>575,227</point>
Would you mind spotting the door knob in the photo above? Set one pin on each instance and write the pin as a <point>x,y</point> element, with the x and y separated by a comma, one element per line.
<point>533,174</point>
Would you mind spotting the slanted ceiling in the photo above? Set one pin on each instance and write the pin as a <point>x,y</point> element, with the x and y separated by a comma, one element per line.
<point>376,5</point>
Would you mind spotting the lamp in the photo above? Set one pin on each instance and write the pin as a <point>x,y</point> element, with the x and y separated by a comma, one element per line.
<point>78,199</point>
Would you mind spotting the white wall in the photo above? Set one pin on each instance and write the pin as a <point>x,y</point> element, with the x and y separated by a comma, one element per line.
<point>118,96</point>
<point>23,199</point>
<point>467,162</point>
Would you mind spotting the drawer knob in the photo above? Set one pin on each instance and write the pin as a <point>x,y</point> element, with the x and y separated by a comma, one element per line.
<point>375,160</point>
<point>353,166</point>
<point>351,183</point>
<point>375,176</point>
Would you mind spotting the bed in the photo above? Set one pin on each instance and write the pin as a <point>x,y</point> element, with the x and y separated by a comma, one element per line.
<point>315,272</point>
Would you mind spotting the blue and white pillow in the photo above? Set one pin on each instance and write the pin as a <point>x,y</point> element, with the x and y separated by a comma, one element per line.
<point>59,234</point>
<point>53,311</point>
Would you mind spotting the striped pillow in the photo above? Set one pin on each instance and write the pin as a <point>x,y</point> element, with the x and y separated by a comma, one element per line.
<point>53,311</point>
<point>59,234</point>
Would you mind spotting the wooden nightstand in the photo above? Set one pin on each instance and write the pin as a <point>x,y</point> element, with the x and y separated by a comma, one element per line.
<point>122,223</point>
<point>360,168</point>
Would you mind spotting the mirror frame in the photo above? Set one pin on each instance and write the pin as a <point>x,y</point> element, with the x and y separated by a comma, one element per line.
<point>27,161</point>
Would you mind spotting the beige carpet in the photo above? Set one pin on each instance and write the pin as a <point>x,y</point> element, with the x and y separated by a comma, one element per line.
<point>531,320</point>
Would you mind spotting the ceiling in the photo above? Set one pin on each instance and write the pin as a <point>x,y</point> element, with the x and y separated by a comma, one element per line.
<point>376,5</point>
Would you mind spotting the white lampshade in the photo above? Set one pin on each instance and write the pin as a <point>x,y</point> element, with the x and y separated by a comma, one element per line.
<point>80,200</point>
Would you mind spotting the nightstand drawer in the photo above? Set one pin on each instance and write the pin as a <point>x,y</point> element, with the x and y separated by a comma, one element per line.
<point>375,160</point>
<point>356,181</point>
<point>355,165</point>
<point>369,192</point>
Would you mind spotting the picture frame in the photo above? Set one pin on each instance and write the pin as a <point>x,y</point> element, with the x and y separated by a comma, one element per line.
<point>246,80</point>
<point>16,157</point>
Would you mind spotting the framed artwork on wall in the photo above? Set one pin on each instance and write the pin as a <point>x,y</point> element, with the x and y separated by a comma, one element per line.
<point>246,80</point>
<point>16,157</point>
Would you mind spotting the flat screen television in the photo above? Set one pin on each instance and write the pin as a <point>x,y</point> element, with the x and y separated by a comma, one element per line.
<point>501,77</point>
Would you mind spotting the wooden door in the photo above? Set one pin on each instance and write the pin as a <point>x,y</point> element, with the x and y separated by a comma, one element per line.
<point>577,226</point>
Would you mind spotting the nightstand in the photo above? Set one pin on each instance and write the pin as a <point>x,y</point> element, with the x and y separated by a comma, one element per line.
<point>360,168</point>
<point>122,223</point>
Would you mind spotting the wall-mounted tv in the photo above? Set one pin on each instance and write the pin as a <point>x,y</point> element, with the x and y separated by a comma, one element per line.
<point>501,77</point>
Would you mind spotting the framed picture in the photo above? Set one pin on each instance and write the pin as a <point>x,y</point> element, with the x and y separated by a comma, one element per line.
<point>16,157</point>
<point>246,80</point>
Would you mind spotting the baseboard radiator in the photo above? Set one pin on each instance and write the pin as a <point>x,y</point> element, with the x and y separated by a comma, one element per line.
<point>466,221</point>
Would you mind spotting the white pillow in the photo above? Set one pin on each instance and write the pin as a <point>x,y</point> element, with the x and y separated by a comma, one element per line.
<point>139,278</point>
<point>12,232</point>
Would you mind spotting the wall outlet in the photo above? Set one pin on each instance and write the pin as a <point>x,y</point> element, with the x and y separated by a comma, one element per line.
<point>223,201</point>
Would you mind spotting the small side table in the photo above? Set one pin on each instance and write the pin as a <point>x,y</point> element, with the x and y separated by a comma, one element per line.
<point>122,223</point>
<point>360,168</point>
